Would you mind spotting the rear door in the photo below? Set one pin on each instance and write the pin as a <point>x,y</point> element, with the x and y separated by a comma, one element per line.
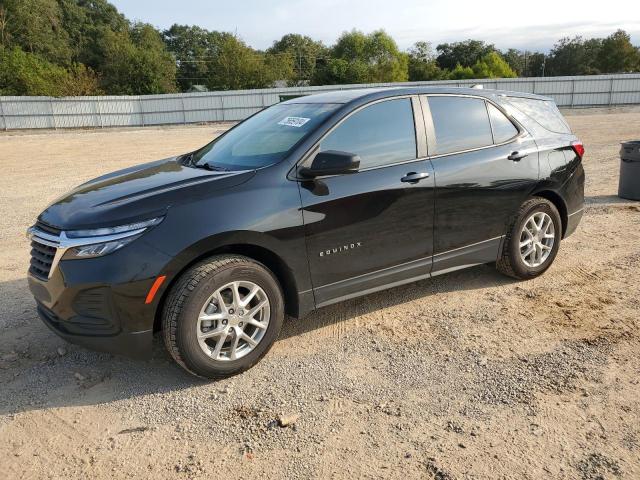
<point>485,167</point>
<point>375,227</point>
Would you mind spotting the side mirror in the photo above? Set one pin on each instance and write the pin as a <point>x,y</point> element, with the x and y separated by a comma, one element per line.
<point>331,162</point>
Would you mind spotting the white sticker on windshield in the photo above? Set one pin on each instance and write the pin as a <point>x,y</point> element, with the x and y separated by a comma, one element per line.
<point>296,122</point>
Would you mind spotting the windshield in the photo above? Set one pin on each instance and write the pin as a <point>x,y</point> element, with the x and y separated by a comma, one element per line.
<point>264,139</point>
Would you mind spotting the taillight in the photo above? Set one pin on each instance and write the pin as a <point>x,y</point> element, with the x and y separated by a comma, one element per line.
<point>578,147</point>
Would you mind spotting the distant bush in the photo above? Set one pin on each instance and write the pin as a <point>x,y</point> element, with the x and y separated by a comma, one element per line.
<point>23,73</point>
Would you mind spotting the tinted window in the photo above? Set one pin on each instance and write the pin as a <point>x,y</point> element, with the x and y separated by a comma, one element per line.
<point>381,134</point>
<point>265,138</point>
<point>460,123</point>
<point>543,112</point>
<point>503,129</point>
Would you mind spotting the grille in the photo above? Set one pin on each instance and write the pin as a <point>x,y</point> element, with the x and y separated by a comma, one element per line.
<point>41,259</point>
<point>48,229</point>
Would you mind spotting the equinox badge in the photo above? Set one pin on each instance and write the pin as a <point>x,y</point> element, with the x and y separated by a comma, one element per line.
<point>340,249</point>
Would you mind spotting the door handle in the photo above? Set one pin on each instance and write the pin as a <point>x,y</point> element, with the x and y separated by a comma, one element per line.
<point>517,156</point>
<point>414,177</point>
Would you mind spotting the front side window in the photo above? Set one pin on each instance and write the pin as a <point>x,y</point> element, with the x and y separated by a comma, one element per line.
<point>460,123</point>
<point>381,134</point>
<point>265,138</point>
<point>503,129</point>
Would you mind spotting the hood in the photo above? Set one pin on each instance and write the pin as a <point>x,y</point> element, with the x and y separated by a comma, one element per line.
<point>136,193</point>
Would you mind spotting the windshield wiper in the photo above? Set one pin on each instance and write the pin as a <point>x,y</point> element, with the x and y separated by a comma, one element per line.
<point>187,159</point>
<point>212,167</point>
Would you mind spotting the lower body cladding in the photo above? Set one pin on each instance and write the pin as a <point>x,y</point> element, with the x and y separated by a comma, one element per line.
<point>476,254</point>
<point>100,303</point>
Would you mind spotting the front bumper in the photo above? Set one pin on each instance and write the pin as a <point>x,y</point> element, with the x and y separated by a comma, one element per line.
<point>100,303</point>
<point>130,344</point>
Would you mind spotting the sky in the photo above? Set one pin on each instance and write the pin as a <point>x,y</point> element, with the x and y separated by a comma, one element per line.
<point>532,24</point>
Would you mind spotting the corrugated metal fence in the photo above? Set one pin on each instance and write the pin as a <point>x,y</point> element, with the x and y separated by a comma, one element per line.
<point>118,111</point>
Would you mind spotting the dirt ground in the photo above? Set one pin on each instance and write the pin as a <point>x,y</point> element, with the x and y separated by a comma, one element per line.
<point>469,375</point>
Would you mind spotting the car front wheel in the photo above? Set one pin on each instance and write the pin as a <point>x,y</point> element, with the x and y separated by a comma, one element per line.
<point>532,240</point>
<point>223,316</point>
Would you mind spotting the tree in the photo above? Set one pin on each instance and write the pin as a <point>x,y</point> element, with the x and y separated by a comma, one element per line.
<point>303,51</point>
<point>36,27</point>
<point>461,73</point>
<point>465,53</point>
<point>24,73</point>
<point>574,56</point>
<point>237,66</point>
<point>492,65</point>
<point>137,63</point>
<point>422,63</point>
<point>617,54</point>
<point>361,58</point>
<point>86,22</point>
<point>194,49</point>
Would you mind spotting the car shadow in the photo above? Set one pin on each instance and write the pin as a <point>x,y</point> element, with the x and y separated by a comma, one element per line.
<point>605,199</point>
<point>39,370</point>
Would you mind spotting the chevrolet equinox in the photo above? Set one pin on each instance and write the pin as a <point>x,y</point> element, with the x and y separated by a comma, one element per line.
<point>307,203</point>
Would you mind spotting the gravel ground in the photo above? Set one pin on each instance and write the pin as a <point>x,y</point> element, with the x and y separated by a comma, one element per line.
<point>469,375</point>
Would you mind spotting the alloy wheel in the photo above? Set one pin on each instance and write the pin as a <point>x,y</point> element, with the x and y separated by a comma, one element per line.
<point>537,239</point>
<point>233,321</point>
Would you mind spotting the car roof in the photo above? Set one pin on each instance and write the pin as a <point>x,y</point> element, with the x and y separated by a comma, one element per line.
<point>360,95</point>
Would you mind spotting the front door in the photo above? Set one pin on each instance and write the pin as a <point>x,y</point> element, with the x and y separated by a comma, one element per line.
<point>373,228</point>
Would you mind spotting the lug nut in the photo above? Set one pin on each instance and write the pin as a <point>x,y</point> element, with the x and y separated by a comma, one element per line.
<point>231,311</point>
<point>224,322</point>
<point>231,330</point>
<point>240,324</point>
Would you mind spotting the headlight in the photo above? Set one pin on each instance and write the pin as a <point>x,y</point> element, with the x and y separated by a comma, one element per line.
<point>103,232</point>
<point>102,241</point>
<point>98,249</point>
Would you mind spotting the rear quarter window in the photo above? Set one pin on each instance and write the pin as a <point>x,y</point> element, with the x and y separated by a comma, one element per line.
<point>543,112</point>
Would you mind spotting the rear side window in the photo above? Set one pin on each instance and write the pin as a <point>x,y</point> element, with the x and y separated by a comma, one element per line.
<point>460,123</point>
<point>381,134</point>
<point>544,112</point>
<point>502,127</point>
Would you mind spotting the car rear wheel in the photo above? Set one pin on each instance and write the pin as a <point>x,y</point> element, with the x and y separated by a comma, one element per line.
<point>223,316</point>
<point>532,240</point>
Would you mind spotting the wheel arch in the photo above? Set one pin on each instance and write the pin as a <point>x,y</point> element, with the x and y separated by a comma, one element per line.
<point>252,250</point>
<point>559,203</point>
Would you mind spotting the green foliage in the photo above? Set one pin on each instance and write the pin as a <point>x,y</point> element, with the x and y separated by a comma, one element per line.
<point>194,49</point>
<point>303,52</point>
<point>86,22</point>
<point>492,65</point>
<point>83,47</point>
<point>461,73</point>
<point>362,58</point>
<point>573,56</point>
<point>525,63</point>
<point>137,63</point>
<point>37,27</point>
<point>617,54</point>
<point>465,53</point>
<point>24,73</point>
<point>423,65</point>
<point>237,66</point>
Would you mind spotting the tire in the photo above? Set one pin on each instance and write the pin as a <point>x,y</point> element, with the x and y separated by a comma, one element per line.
<point>190,300</point>
<point>511,261</point>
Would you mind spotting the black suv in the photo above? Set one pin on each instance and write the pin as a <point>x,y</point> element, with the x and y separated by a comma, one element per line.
<point>307,203</point>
